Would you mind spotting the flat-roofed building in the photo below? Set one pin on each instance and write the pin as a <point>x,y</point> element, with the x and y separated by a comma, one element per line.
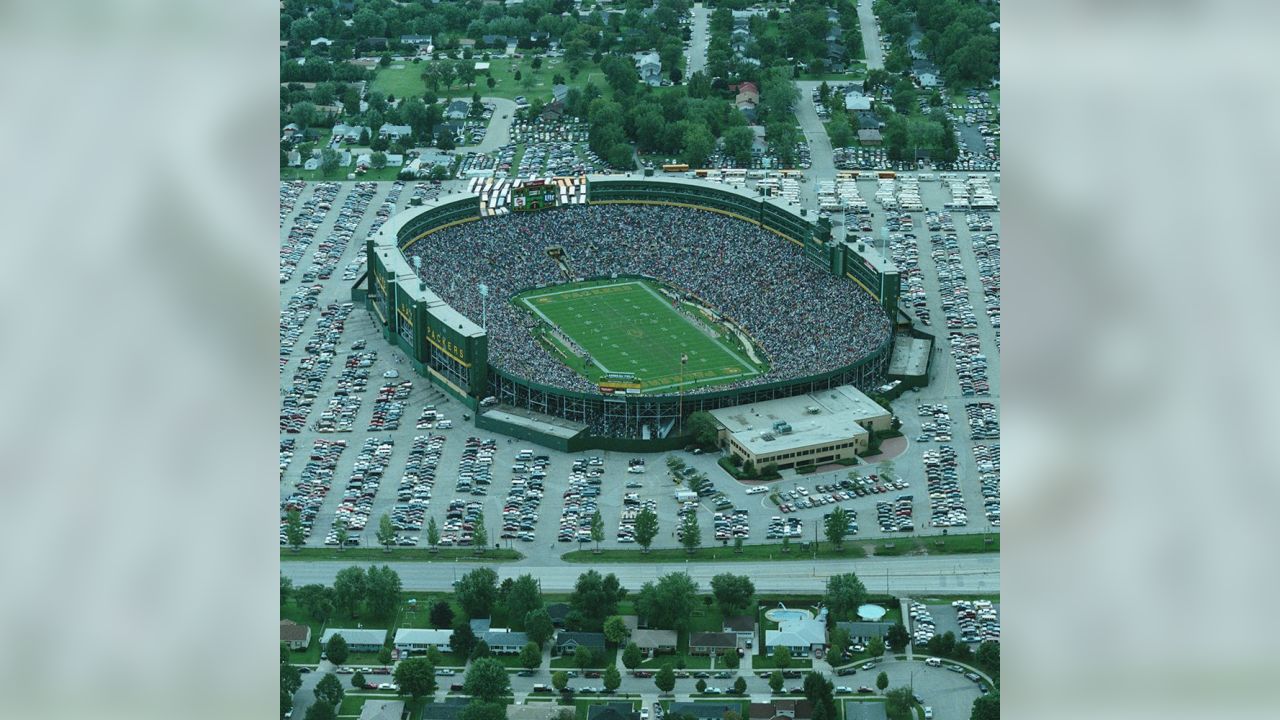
<point>819,427</point>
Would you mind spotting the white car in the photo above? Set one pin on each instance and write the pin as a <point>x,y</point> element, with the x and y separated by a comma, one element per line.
<point>391,374</point>
<point>758,490</point>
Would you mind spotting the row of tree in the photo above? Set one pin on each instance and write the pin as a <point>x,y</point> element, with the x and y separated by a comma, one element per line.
<point>956,35</point>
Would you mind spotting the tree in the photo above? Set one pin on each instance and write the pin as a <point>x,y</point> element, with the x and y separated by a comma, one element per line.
<point>349,587</point>
<point>703,428</point>
<point>875,647</point>
<point>839,640</point>
<point>582,657</point>
<point>531,655</point>
<point>416,677</point>
<point>490,82</point>
<point>357,680</point>
<point>384,655</point>
<point>596,597</point>
<point>329,690</point>
<point>615,629</point>
<point>988,656</point>
<point>786,543</point>
<point>487,680</point>
<point>597,529</point>
<point>479,534</point>
<point>698,145</point>
<point>882,681</point>
<point>897,638</point>
<point>317,600</point>
<point>479,650</point>
<point>837,526</point>
<point>899,705</point>
<point>290,680</point>
<point>382,591</point>
<point>294,534</point>
<point>737,144</point>
<point>700,686</point>
<point>445,141</point>
<point>523,598</point>
<point>328,160</point>
<point>781,656</point>
<point>632,656</point>
<point>729,658</point>
<point>433,534</point>
<point>668,603</point>
<point>775,681</point>
<point>646,528</point>
<point>739,683</point>
<point>538,626</point>
<point>463,639</point>
<point>986,707</point>
<point>378,161</point>
<point>441,614</point>
<point>335,651</point>
<point>612,678</point>
<point>840,131</point>
<point>321,711</point>
<point>477,591</point>
<point>665,678</point>
<point>690,534</point>
<point>341,534</point>
<point>733,593</point>
<point>737,545</point>
<point>844,594</point>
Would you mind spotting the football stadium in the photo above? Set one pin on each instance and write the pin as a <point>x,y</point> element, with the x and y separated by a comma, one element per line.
<point>600,311</point>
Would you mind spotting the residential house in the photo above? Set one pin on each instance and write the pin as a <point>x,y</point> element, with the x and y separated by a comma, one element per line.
<point>558,612</point>
<point>567,642</point>
<point>654,641</point>
<point>744,626</point>
<point>419,640</point>
<point>781,710</point>
<point>868,120</point>
<point>928,80</point>
<point>495,41</point>
<point>712,643</point>
<point>350,133</point>
<point>747,93</point>
<point>394,132</point>
<point>502,641</point>
<point>294,158</point>
<point>466,43</point>
<point>559,92</point>
<point>801,636</point>
<point>458,110</point>
<point>552,111</point>
<point>534,710</point>
<point>855,101</point>
<point>377,709</point>
<point>537,38</point>
<point>649,65</point>
<point>865,630</point>
<point>612,711</point>
<point>291,133</point>
<point>422,43</point>
<point>869,138</point>
<point>703,710</point>
<point>321,41</point>
<point>296,636</point>
<point>358,639</point>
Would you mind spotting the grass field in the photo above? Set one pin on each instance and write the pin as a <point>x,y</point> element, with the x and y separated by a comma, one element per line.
<point>407,81</point>
<point>417,554</point>
<point>627,326</point>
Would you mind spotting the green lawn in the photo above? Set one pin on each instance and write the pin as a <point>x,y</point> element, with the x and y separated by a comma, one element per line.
<point>750,553</point>
<point>691,662</point>
<point>568,663</point>
<point>398,554</point>
<point>939,545</point>
<point>628,326</point>
<point>407,81</point>
<point>582,705</point>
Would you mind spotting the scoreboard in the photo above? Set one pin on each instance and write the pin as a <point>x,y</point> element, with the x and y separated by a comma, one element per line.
<point>535,195</point>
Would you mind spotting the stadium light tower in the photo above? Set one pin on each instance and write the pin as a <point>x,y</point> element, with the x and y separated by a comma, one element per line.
<point>484,305</point>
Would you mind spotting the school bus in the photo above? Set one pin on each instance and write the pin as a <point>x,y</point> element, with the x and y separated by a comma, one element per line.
<point>675,168</point>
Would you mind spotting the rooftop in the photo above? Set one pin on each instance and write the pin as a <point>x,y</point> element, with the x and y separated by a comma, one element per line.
<point>815,418</point>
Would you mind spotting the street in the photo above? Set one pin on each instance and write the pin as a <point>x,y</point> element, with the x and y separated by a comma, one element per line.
<point>870,36</point>
<point>697,53</point>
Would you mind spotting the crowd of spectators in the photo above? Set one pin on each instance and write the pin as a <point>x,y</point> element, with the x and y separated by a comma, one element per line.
<point>803,319</point>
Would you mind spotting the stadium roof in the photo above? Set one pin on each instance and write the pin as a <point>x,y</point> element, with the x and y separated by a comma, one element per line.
<point>815,418</point>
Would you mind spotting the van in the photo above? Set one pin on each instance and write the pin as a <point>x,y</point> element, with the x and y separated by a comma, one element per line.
<point>933,662</point>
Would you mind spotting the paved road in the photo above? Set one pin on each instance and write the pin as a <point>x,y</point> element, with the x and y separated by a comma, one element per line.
<point>697,53</point>
<point>951,575</point>
<point>821,165</point>
<point>870,36</point>
<point>499,130</point>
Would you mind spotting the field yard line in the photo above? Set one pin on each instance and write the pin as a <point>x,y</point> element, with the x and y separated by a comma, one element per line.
<point>748,366</point>
<point>581,289</point>
<point>547,320</point>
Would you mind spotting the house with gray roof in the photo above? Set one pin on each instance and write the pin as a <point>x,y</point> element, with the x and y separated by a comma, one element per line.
<point>419,640</point>
<point>358,639</point>
<point>612,711</point>
<point>649,65</point>
<point>712,643</point>
<point>800,636</point>
<point>703,710</point>
<point>567,642</point>
<point>504,642</point>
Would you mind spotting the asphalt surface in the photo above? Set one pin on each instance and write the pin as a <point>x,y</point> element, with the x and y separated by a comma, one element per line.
<point>959,574</point>
<point>697,52</point>
<point>870,36</point>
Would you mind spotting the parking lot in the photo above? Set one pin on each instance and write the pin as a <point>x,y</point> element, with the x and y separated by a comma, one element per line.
<point>949,694</point>
<point>336,391</point>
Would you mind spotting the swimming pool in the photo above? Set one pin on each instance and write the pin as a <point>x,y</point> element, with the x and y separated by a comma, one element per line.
<point>782,614</point>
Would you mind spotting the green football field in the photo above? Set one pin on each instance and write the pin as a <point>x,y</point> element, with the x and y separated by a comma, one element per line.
<point>627,326</point>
